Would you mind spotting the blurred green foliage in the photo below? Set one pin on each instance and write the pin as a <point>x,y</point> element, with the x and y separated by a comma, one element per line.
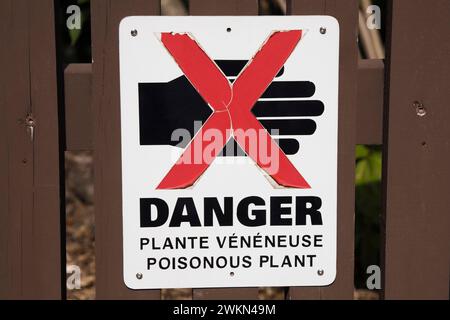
<point>368,165</point>
<point>368,210</point>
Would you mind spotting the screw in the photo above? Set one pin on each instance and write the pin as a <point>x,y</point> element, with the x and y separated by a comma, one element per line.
<point>228,29</point>
<point>29,120</point>
<point>320,272</point>
<point>323,30</point>
<point>420,109</point>
<point>134,33</point>
<point>139,275</point>
<point>30,124</point>
<point>231,274</point>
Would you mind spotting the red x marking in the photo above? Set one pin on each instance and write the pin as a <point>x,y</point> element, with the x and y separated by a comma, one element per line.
<point>231,104</point>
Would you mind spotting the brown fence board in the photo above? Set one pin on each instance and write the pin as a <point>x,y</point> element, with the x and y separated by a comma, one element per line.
<point>14,147</point>
<point>106,15</point>
<point>218,7</point>
<point>78,97</point>
<point>369,113</point>
<point>346,13</point>
<point>417,152</point>
<point>306,7</point>
<point>223,8</point>
<point>29,170</point>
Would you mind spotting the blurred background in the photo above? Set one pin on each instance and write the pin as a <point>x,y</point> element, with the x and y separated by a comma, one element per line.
<point>79,172</point>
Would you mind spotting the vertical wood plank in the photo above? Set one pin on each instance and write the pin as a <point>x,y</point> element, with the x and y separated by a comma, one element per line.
<point>223,8</point>
<point>15,174</point>
<point>346,12</point>
<point>106,16</point>
<point>78,112</point>
<point>236,8</point>
<point>306,7</point>
<point>369,111</point>
<point>416,154</point>
<point>30,257</point>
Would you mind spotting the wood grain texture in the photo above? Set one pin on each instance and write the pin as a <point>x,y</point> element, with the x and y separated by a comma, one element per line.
<point>106,15</point>
<point>345,11</point>
<point>223,8</point>
<point>218,7</point>
<point>30,259</point>
<point>416,171</point>
<point>78,97</point>
<point>306,7</point>
<point>369,113</point>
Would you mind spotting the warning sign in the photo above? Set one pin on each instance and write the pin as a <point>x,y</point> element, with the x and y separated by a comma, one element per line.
<point>229,151</point>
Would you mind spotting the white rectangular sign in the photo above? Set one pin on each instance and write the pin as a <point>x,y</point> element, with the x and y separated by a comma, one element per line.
<point>229,151</point>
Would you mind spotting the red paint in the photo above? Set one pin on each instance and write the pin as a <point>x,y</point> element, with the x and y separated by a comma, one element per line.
<point>231,104</point>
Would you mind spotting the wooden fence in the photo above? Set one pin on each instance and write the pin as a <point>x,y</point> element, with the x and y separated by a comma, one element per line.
<point>380,102</point>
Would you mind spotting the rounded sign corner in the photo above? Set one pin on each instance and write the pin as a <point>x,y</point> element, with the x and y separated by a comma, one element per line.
<point>130,284</point>
<point>330,278</point>
<point>333,21</point>
<point>125,21</point>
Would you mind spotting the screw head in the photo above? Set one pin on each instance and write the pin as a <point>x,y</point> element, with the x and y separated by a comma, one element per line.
<point>139,275</point>
<point>134,32</point>
<point>320,272</point>
<point>231,274</point>
<point>420,109</point>
<point>323,30</point>
<point>29,120</point>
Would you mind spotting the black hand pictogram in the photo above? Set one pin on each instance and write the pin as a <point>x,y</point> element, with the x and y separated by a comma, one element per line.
<point>165,107</point>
